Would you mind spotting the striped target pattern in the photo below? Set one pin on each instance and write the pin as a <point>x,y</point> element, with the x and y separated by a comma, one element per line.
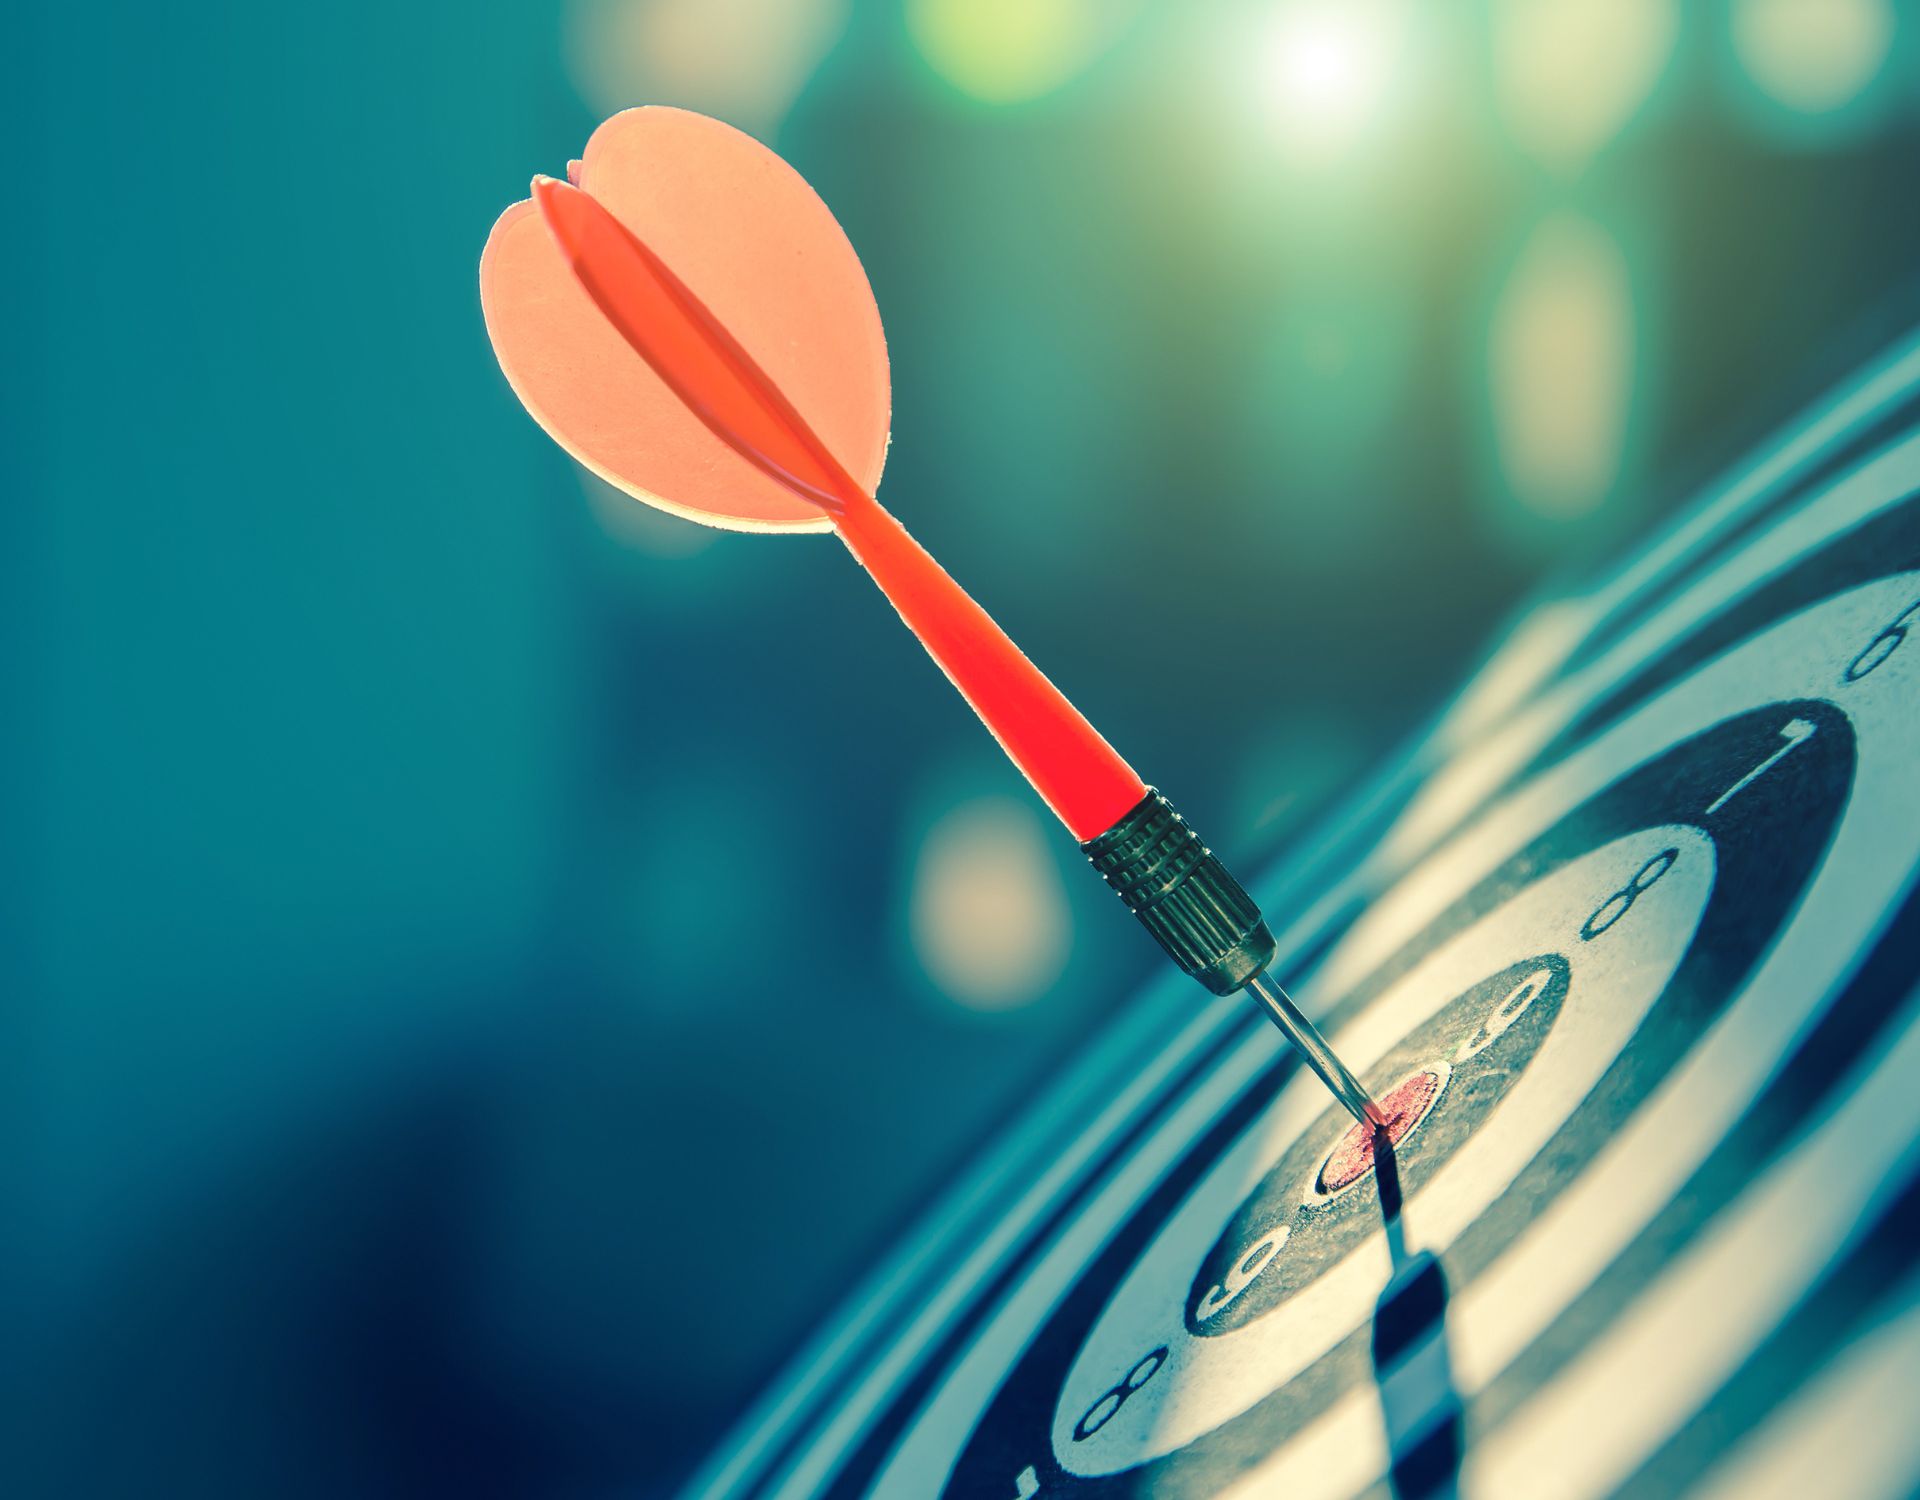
<point>1630,935</point>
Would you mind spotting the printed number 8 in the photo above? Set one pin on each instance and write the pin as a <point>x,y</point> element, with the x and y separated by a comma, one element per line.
<point>1621,901</point>
<point>1108,1406</point>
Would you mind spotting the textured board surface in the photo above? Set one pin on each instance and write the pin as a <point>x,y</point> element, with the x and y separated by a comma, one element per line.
<point>1633,926</point>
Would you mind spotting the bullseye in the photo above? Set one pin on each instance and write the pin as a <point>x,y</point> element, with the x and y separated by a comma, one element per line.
<point>1407,1105</point>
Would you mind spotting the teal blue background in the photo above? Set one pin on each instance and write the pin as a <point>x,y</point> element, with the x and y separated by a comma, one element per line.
<point>360,1139</point>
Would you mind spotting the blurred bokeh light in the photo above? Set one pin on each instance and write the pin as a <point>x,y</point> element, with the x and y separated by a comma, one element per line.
<point>1560,360</point>
<point>742,60</point>
<point>1571,73</point>
<point>1813,56</point>
<point>1334,71</point>
<point>988,915</point>
<point>1011,51</point>
<point>641,527</point>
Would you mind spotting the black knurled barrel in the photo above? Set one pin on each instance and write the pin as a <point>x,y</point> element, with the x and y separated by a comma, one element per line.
<point>1183,895</point>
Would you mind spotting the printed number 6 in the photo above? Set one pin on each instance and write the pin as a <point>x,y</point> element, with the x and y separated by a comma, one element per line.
<point>1882,645</point>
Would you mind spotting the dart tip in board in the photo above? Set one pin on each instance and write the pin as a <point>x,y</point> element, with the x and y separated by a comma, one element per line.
<point>1367,1145</point>
<point>1369,1117</point>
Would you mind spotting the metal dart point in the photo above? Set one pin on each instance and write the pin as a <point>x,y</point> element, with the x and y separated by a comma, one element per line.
<point>1211,928</point>
<point>1335,1074</point>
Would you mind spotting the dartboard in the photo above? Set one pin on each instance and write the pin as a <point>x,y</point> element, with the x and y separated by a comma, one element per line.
<point>1627,940</point>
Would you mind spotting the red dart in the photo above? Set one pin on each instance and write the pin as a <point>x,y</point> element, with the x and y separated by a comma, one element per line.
<point>1170,880</point>
<point>1088,786</point>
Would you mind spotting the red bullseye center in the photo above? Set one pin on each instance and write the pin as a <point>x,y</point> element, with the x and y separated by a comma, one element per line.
<point>1405,1105</point>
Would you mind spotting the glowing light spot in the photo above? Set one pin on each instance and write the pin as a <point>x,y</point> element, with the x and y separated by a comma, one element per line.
<point>988,916</point>
<point>1009,51</point>
<point>1812,55</point>
<point>639,526</point>
<point>1570,73</point>
<point>1560,359</point>
<point>744,61</point>
<point>1330,70</point>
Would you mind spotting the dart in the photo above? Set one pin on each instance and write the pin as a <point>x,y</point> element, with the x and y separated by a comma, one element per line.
<point>578,315</point>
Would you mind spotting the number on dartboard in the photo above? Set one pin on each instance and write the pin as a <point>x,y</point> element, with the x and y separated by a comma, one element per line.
<point>1245,1272</point>
<point>1621,901</point>
<point>1882,645</point>
<point>1027,1485</point>
<point>1501,1018</point>
<point>1796,732</point>
<point>1108,1406</point>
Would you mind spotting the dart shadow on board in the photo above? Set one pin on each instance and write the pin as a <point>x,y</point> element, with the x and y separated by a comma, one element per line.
<point>1419,1404</point>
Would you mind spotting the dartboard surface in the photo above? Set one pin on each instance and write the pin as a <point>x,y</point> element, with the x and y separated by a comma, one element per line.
<point>1629,940</point>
